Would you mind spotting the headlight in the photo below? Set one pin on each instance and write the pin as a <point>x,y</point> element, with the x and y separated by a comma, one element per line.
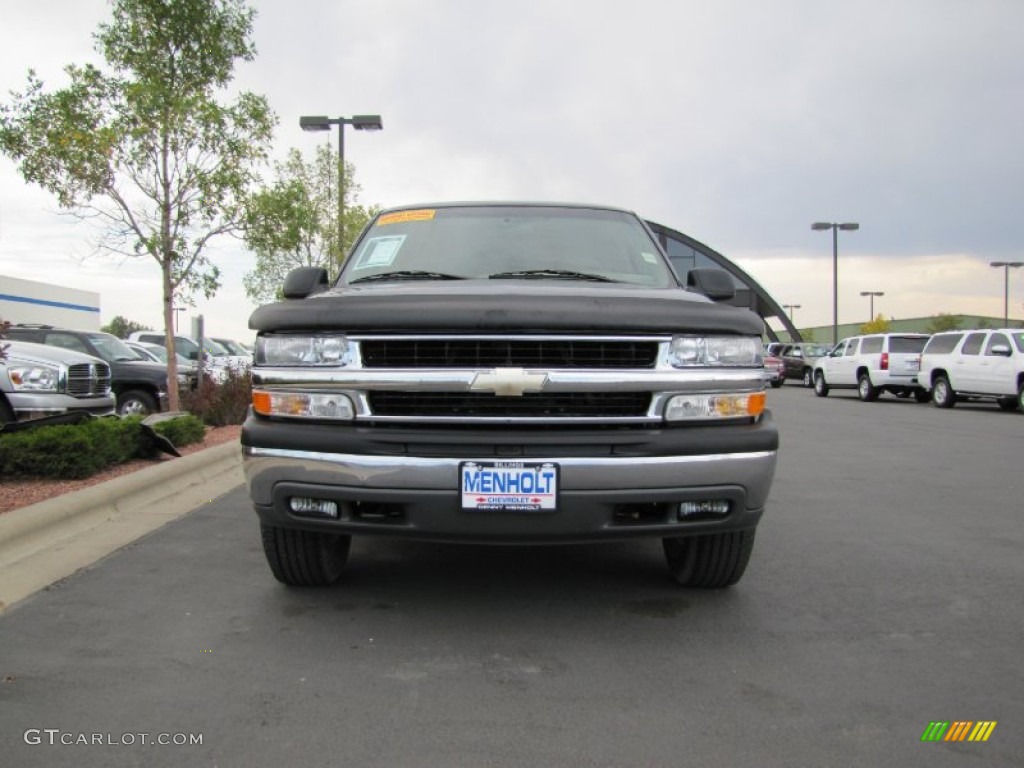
<point>298,405</point>
<point>719,406</point>
<point>303,350</point>
<point>36,378</point>
<point>716,351</point>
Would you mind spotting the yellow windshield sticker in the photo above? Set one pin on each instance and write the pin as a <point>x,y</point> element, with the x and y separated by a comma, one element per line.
<point>402,216</point>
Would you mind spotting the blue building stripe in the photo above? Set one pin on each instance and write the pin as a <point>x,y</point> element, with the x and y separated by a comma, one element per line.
<point>45,303</point>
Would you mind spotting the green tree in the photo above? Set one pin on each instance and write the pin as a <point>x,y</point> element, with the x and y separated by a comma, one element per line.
<point>293,222</point>
<point>944,322</point>
<point>122,327</point>
<point>807,334</point>
<point>145,147</point>
<point>878,325</point>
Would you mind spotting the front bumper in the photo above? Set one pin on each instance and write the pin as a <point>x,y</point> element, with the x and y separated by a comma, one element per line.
<point>612,485</point>
<point>35,405</point>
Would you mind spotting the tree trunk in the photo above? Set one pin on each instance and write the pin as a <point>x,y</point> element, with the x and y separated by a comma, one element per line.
<point>173,402</point>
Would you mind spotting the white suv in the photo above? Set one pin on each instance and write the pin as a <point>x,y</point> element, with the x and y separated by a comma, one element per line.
<point>975,364</point>
<point>880,362</point>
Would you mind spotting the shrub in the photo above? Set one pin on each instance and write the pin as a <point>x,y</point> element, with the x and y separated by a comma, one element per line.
<point>221,404</point>
<point>183,430</point>
<point>72,451</point>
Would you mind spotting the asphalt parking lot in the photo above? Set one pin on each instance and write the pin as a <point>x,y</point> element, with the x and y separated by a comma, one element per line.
<point>884,593</point>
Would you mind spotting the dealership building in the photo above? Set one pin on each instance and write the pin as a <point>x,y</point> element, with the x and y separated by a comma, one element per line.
<point>686,253</point>
<point>28,301</point>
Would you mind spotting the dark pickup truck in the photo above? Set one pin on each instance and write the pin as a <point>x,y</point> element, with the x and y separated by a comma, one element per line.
<point>508,373</point>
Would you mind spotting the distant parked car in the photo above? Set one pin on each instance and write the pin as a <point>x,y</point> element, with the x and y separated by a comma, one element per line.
<point>962,365</point>
<point>38,380</point>
<point>216,356</point>
<point>158,354</point>
<point>798,360</point>
<point>140,386</point>
<point>881,362</point>
<point>773,371</point>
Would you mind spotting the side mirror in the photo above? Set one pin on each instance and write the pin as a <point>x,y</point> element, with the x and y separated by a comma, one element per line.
<point>305,281</point>
<point>1000,349</point>
<point>716,284</point>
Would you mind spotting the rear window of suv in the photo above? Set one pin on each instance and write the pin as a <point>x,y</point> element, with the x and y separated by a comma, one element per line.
<point>907,343</point>
<point>943,343</point>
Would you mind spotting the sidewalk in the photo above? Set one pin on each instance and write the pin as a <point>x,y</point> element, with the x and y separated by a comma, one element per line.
<point>45,542</point>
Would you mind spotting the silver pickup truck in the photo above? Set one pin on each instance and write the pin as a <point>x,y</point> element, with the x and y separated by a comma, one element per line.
<point>38,380</point>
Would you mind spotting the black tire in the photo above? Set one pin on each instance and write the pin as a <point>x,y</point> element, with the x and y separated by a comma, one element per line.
<point>867,391</point>
<point>820,385</point>
<point>713,561</point>
<point>6,413</point>
<point>135,402</point>
<point>943,395</point>
<point>1020,396</point>
<point>808,378</point>
<point>922,395</point>
<point>305,558</point>
<point>1007,403</point>
<point>778,383</point>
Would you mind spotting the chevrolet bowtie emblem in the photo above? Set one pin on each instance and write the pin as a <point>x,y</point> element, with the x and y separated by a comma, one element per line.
<point>509,382</point>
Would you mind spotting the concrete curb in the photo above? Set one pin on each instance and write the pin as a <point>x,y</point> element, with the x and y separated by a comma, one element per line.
<point>45,542</point>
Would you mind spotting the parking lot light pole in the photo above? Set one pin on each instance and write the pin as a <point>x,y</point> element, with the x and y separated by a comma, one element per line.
<point>791,307</point>
<point>323,123</point>
<point>872,294</point>
<point>1006,265</point>
<point>835,227</point>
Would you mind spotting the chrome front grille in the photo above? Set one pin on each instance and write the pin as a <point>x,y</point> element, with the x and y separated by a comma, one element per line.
<point>88,379</point>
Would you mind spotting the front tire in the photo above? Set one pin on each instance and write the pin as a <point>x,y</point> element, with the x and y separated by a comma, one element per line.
<point>135,402</point>
<point>305,558</point>
<point>867,391</point>
<point>820,386</point>
<point>709,562</point>
<point>942,394</point>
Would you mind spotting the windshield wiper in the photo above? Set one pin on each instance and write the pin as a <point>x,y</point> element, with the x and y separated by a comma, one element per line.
<point>559,274</point>
<point>408,274</point>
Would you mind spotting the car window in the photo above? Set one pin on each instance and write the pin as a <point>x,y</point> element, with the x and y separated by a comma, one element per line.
<point>995,340</point>
<point>973,344</point>
<point>112,349</point>
<point>943,343</point>
<point>851,347</point>
<point>907,343</point>
<point>1018,339</point>
<point>67,341</point>
<point>871,345</point>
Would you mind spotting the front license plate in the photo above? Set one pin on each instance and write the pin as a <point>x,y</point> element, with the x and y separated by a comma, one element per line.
<point>508,486</point>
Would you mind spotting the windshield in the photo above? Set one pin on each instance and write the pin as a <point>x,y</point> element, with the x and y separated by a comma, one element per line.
<point>508,242</point>
<point>233,347</point>
<point>112,349</point>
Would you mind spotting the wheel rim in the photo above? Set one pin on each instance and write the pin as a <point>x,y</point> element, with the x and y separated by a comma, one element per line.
<point>134,408</point>
<point>941,391</point>
<point>807,379</point>
<point>865,388</point>
<point>819,383</point>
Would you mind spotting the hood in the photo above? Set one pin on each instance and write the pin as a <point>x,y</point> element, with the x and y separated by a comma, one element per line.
<point>44,354</point>
<point>523,306</point>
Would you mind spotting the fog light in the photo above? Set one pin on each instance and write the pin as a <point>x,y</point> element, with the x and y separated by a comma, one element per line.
<point>301,505</point>
<point>708,508</point>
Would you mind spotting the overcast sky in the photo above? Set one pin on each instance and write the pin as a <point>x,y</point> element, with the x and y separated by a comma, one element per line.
<point>737,122</point>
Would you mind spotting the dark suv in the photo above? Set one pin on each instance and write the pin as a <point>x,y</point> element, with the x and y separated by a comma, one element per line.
<point>508,373</point>
<point>139,386</point>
